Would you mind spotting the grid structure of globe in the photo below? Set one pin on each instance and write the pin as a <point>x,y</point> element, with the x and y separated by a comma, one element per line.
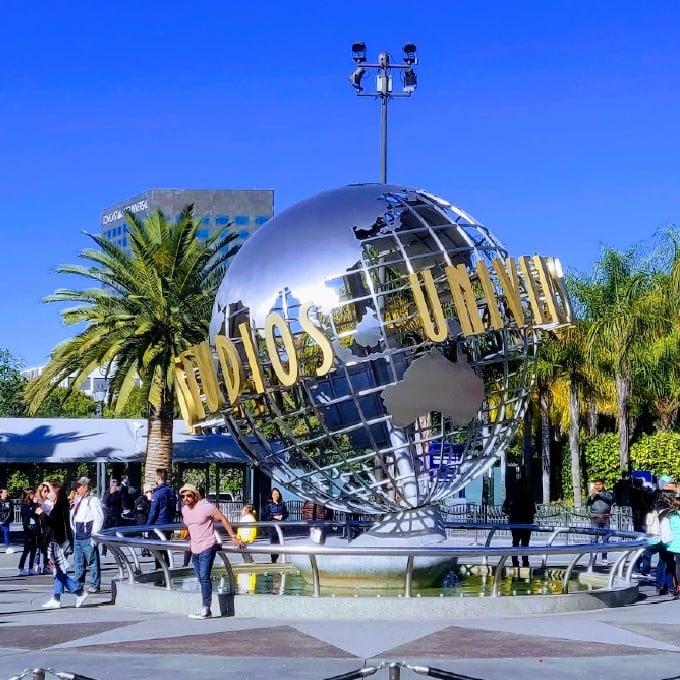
<point>366,437</point>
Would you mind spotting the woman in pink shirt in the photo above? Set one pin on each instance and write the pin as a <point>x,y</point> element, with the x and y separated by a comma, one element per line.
<point>199,518</point>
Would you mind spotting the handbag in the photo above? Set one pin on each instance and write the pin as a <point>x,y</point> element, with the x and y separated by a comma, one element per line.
<point>665,533</point>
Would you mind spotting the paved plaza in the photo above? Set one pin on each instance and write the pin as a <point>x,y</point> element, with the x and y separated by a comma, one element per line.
<point>99,640</point>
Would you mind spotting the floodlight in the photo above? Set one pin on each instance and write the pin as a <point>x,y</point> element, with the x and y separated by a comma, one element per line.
<point>410,80</point>
<point>410,53</point>
<point>359,52</point>
<point>384,59</point>
<point>356,76</point>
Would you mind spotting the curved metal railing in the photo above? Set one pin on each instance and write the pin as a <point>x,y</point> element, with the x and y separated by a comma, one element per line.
<point>126,544</point>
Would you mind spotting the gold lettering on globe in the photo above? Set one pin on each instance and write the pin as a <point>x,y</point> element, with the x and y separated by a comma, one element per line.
<point>526,293</point>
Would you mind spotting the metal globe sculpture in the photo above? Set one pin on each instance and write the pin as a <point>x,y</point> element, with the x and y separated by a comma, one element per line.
<point>373,348</point>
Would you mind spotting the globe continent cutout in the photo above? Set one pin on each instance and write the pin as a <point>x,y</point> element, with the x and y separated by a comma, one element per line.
<point>400,421</point>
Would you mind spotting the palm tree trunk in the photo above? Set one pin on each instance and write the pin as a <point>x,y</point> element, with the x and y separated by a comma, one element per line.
<point>623,389</point>
<point>544,402</point>
<point>527,449</point>
<point>592,418</point>
<point>159,440</point>
<point>574,451</point>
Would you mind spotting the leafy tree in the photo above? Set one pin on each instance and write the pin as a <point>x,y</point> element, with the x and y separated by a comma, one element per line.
<point>146,307</point>
<point>658,371</point>
<point>614,302</point>
<point>135,406</point>
<point>61,403</point>
<point>547,373</point>
<point>12,385</point>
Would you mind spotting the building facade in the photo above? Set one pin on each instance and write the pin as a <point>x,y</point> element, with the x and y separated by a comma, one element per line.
<point>242,210</point>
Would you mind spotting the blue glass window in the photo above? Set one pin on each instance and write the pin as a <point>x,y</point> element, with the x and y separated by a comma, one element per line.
<point>222,219</point>
<point>261,219</point>
<point>205,220</point>
<point>203,233</point>
<point>242,219</point>
<point>243,234</point>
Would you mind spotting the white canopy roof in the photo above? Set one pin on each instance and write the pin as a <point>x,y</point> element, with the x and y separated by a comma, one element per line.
<point>90,440</point>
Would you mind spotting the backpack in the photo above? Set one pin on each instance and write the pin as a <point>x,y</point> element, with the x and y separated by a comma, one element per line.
<point>665,533</point>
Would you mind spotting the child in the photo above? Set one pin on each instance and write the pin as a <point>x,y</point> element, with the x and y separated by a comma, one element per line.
<point>247,534</point>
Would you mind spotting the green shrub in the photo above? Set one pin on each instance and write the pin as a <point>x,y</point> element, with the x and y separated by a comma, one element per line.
<point>658,452</point>
<point>601,458</point>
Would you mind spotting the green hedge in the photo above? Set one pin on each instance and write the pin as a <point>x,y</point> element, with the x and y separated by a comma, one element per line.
<point>659,453</point>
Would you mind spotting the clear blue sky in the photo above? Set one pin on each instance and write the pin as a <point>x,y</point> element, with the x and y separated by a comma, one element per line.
<point>556,124</point>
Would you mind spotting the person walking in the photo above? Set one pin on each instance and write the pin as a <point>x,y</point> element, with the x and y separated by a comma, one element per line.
<point>664,577</point>
<point>40,499</point>
<point>29,521</point>
<point>56,534</point>
<point>6,512</point>
<point>669,535</point>
<point>199,518</point>
<point>520,509</point>
<point>600,503</point>
<point>275,510</point>
<point>87,518</point>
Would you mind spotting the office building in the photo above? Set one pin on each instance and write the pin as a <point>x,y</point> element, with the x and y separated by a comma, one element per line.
<point>244,209</point>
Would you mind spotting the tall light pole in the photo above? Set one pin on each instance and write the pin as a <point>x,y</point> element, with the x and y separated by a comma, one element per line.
<point>384,69</point>
<point>99,391</point>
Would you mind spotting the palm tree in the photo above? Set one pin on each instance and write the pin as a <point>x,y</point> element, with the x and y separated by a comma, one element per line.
<point>548,363</point>
<point>580,388</point>
<point>148,305</point>
<point>613,302</point>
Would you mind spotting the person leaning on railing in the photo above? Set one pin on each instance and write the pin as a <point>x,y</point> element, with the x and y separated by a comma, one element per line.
<point>247,534</point>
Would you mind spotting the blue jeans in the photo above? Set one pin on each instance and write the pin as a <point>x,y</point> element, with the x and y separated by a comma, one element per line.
<point>86,558</point>
<point>4,527</point>
<point>203,563</point>
<point>63,582</point>
<point>665,570</point>
<point>600,523</point>
<point>644,563</point>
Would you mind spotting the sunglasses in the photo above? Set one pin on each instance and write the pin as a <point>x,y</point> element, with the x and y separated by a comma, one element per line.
<point>187,495</point>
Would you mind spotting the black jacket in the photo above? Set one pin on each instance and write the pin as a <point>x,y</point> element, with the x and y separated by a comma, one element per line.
<point>5,511</point>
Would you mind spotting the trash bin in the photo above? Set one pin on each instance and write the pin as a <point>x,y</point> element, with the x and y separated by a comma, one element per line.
<point>225,597</point>
<point>226,602</point>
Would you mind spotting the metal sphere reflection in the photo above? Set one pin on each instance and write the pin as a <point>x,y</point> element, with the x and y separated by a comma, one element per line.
<point>368,437</point>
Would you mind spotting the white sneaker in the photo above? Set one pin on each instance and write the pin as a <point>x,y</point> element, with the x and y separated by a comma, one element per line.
<point>203,613</point>
<point>25,572</point>
<point>10,551</point>
<point>81,598</point>
<point>37,570</point>
<point>52,604</point>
